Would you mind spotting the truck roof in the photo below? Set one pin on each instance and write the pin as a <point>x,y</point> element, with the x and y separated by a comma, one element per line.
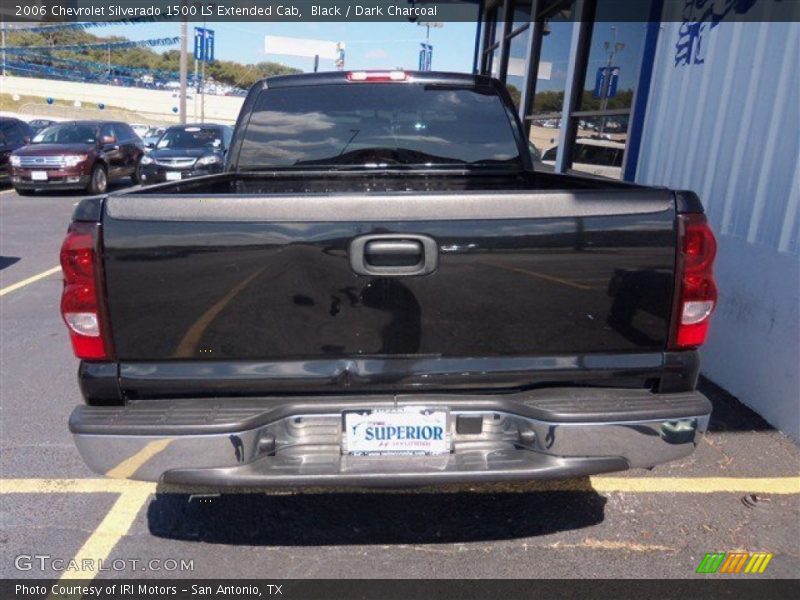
<point>339,77</point>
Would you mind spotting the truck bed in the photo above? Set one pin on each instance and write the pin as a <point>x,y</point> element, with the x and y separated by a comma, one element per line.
<point>307,181</point>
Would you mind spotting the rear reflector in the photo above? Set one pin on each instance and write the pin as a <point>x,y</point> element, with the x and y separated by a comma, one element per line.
<point>695,289</point>
<point>376,76</point>
<point>83,323</point>
<point>695,312</point>
<point>81,298</point>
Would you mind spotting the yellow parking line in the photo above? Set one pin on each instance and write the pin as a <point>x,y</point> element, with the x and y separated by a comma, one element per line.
<point>11,191</point>
<point>73,486</point>
<point>114,526</point>
<point>129,466</point>
<point>24,282</point>
<point>596,544</point>
<point>133,496</point>
<point>699,485</point>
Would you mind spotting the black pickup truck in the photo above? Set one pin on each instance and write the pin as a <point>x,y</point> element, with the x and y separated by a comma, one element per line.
<point>381,290</point>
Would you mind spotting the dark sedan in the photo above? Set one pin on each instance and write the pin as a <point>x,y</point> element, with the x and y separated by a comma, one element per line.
<point>186,151</point>
<point>13,134</point>
<point>81,155</point>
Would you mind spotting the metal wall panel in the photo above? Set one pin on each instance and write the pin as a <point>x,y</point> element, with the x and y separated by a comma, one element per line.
<point>730,128</point>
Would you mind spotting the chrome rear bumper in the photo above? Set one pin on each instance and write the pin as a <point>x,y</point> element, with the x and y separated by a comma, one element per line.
<point>282,442</point>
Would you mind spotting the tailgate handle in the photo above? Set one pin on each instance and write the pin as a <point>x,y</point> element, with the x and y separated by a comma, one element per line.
<point>402,253</point>
<point>393,255</point>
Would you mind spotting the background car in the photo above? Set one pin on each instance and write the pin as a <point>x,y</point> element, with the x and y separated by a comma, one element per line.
<point>76,155</point>
<point>38,124</point>
<point>597,157</point>
<point>151,137</point>
<point>140,129</point>
<point>13,134</point>
<point>186,151</point>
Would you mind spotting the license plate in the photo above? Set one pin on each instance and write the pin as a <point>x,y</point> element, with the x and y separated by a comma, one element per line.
<point>173,175</point>
<point>410,430</point>
<point>38,175</point>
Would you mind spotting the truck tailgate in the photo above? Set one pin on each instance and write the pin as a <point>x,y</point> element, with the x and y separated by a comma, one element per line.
<point>223,278</point>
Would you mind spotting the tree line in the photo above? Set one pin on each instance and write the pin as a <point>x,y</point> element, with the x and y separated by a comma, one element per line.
<point>553,102</point>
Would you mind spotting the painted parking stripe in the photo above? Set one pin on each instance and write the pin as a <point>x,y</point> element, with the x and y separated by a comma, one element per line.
<point>114,526</point>
<point>699,485</point>
<point>29,280</point>
<point>73,486</point>
<point>134,495</point>
<point>3,192</point>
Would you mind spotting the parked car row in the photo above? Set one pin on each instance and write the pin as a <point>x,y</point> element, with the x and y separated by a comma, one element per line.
<point>83,155</point>
<point>88,155</point>
<point>14,134</point>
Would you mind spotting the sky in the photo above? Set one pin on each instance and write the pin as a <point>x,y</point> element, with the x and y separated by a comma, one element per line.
<point>368,45</point>
<point>556,46</point>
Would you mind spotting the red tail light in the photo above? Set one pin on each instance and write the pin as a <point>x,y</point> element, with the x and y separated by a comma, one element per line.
<point>377,76</point>
<point>695,290</point>
<point>82,305</point>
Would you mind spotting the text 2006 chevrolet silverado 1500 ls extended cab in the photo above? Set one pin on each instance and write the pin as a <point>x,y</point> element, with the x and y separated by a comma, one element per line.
<point>381,290</point>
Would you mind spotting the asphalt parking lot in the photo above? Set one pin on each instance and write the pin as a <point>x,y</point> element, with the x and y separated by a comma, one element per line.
<point>739,492</point>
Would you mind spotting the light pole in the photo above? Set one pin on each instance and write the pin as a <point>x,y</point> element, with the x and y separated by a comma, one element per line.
<point>427,25</point>
<point>182,99</point>
<point>203,75</point>
<point>612,50</point>
<point>196,87</point>
<point>3,34</point>
<point>3,42</point>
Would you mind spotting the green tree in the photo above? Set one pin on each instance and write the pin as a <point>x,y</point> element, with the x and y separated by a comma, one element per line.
<point>516,95</point>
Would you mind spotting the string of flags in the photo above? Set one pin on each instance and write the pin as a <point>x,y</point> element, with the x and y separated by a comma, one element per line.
<point>34,56</point>
<point>152,43</point>
<point>43,61</point>
<point>79,26</point>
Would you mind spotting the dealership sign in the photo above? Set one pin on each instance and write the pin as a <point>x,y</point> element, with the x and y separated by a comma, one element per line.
<point>204,44</point>
<point>425,57</point>
<point>291,46</point>
<point>605,83</point>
